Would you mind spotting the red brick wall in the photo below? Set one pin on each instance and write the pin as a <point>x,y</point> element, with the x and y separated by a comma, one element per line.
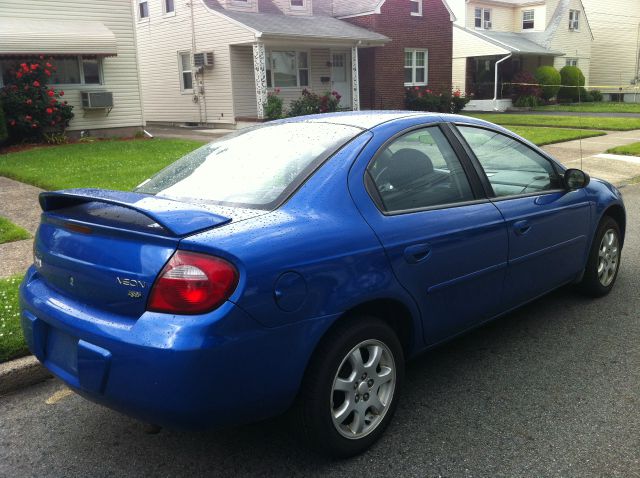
<point>382,68</point>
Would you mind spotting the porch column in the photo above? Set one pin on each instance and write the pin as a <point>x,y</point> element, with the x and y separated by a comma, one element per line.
<point>355,80</point>
<point>260,74</point>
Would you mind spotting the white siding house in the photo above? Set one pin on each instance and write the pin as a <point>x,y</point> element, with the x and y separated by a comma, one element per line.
<point>214,61</point>
<point>615,55</point>
<point>93,46</point>
<point>517,35</point>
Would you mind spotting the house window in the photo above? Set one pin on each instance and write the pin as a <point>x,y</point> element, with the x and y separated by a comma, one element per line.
<point>288,69</point>
<point>169,6</point>
<point>574,20</point>
<point>483,18</point>
<point>571,62</point>
<point>71,70</point>
<point>416,8</point>
<point>143,9</point>
<point>186,74</point>
<point>415,67</point>
<point>297,4</point>
<point>528,19</point>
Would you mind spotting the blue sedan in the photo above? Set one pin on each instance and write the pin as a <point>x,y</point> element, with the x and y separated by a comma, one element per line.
<point>298,265</point>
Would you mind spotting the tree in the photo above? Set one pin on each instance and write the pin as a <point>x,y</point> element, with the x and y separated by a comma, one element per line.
<point>550,80</point>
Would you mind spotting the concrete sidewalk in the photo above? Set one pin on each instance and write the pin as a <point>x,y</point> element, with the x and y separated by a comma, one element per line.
<point>587,154</point>
<point>19,204</point>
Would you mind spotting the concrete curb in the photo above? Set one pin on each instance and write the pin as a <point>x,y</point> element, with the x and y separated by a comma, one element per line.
<point>21,373</point>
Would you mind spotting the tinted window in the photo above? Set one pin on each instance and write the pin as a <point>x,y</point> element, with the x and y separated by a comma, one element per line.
<point>418,170</point>
<point>256,168</point>
<point>511,167</point>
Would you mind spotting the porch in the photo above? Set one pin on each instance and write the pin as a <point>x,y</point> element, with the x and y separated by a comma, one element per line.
<point>289,69</point>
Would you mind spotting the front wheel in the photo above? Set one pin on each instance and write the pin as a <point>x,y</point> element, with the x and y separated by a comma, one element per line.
<point>604,259</point>
<point>351,387</point>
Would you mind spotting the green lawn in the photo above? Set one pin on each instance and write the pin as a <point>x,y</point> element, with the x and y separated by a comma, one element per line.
<point>543,136</point>
<point>581,122</point>
<point>103,164</point>
<point>602,107</point>
<point>12,343</point>
<point>9,232</point>
<point>632,149</point>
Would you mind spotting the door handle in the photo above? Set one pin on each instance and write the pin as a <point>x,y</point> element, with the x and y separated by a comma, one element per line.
<point>522,227</point>
<point>417,253</point>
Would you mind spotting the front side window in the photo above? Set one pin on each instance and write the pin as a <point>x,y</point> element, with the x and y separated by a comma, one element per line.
<point>169,6</point>
<point>416,64</point>
<point>186,74</point>
<point>483,18</point>
<point>416,8</point>
<point>255,168</point>
<point>511,167</point>
<point>528,19</point>
<point>288,69</point>
<point>143,9</point>
<point>297,4</point>
<point>417,171</point>
<point>71,70</point>
<point>571,62</point>
<point>574,20</point>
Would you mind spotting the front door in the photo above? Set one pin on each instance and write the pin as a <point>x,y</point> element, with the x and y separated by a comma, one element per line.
<point>446,246</point>
<point>341,76</point>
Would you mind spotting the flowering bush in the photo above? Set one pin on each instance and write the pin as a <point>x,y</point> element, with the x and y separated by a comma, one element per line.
<point>310,103</point>
<point>32,109</point>
<point>421,98</point>
<point>273,106</point>
<point>528,92</point>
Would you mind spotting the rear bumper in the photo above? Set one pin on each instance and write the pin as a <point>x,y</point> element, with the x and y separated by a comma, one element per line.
<point>176,371</point>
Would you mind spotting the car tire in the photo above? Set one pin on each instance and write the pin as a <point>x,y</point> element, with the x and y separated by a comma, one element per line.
<point>346,403</point>
<point>604,259</point>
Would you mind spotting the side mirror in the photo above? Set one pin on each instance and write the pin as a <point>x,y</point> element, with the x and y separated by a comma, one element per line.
<point>576,179</point>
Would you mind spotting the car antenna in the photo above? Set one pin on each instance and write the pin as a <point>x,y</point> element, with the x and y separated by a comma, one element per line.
<point>580,132</point>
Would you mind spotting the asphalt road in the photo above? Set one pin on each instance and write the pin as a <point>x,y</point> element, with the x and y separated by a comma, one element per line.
<point>551,390</point>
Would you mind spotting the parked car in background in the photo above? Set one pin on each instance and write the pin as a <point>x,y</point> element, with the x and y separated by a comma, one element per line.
<point>302,262</point>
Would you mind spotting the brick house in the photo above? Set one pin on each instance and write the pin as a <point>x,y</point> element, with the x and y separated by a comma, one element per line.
<point>382,69</point>
<point>215,61</point>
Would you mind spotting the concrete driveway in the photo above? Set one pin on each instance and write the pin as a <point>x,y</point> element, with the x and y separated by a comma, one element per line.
<point>550,390</point>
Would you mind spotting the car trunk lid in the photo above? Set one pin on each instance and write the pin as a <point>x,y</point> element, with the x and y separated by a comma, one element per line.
<point>105,248</point>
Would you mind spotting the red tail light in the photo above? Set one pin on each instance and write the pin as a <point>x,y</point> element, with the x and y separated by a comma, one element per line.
<point>192,283</point>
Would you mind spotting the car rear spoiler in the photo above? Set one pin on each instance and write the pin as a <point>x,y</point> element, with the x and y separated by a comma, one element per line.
<point>178,218</point>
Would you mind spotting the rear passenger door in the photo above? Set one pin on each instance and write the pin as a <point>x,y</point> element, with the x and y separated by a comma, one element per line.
<point>447,244</point>
<point>548,225</point>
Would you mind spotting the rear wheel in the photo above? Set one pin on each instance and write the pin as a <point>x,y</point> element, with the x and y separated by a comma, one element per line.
<point>604,259</point>
<point>351,387</point>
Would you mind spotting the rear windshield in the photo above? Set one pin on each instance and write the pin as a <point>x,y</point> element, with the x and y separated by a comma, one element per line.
<point>256,168</point>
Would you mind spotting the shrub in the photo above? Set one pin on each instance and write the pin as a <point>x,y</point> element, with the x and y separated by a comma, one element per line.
<point>273,107</point>
<point>549,79</point>
<point>32,109</point>
<point>421,98</point>
<point>526,101</point>
<point>311,103</point>
<point>572,81</point>
<point>596,95</point>
<point>3,126</point>
<point>526,86</point>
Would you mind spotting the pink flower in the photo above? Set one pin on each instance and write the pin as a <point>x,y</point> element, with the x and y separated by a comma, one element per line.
<point>51,93</point>
<point>36,83</point>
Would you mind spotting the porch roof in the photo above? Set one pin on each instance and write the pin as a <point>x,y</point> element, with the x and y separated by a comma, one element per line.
<point>269,25</point>
<point>60,37</point>
<point>514,43</point>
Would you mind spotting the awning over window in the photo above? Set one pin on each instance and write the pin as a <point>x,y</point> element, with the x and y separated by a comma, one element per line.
<point>20,36</point>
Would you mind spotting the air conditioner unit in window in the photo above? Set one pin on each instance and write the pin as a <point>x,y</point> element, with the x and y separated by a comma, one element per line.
<point>94,100</point>
<point>203,59</point>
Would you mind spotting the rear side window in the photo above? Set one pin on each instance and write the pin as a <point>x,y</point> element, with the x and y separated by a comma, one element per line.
<point>419,170</point>
<point>511,167</point>
<point>256,168</point>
